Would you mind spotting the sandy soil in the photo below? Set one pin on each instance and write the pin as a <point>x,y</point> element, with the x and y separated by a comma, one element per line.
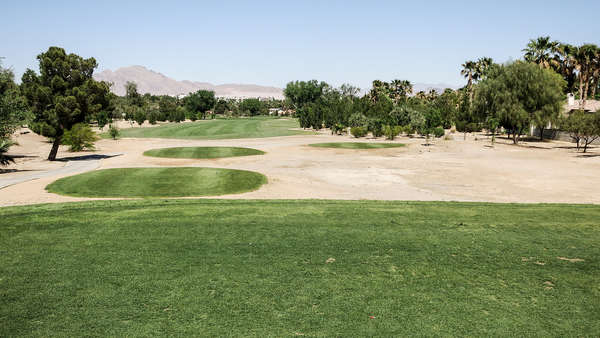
<point>454,170</point>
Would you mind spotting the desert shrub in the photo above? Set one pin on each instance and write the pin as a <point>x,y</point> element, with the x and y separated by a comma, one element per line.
<point>4,145</point>
<point>357,120</point>
<point>114,131</point>
<point>438,132</point>
<point>153,116</point>
<point>178,115</point>
<point>473,127</point>
<point>80,137</point>
<point>375,126</point>
<point>140,117</point>
<point>448,137</point>
<point>338,129</point>
<point>392,131</point>
<point>358,131</point>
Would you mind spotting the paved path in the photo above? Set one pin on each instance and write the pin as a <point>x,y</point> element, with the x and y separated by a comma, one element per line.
<point>74,166</point>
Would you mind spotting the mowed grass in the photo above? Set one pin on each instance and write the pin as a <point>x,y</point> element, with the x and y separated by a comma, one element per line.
<point>288,268</point>
<point>256,127</point>
<point>202,152</point>
<point>357,145</point>
<point>158,182</point>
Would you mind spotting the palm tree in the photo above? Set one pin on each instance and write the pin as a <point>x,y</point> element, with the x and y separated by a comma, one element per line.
<point>586,64</point>
<point>565,61</point>
<point>541,51</point>
<point>400,89</point>
<point>470,73</point>
<point>483,66</point>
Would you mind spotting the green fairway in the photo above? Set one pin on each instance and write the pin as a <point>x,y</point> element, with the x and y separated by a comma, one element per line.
<point>202,152</point>
<point>357,145</point>
<point>158,182</point>
<point>288,268</point>
<point>219,129</point>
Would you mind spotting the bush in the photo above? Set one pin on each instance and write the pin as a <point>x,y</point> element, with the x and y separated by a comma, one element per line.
<point>140,117</point>
<point>473,127</point>
<point>392,131</point>
<point>114,132</point>
<point>438,132</point>
<point>4,145</point>
<point>178,115</point>
<point>357,120</point>
<point>80,137</point>
<point>358,131</point>
<point>375,126</point>
<point>153,117</point>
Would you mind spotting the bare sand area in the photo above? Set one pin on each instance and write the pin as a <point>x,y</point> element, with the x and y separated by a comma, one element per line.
<point>448,170</point>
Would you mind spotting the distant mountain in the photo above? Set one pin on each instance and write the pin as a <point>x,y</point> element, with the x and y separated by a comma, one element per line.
<point>149,81</point>
<point>438,87</point>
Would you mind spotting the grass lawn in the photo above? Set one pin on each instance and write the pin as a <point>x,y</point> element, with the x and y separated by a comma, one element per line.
<point>202,152</point>
<point>287,268</point>
<point>219,129</point>
<point>357,145</point>
<point>158,182</point>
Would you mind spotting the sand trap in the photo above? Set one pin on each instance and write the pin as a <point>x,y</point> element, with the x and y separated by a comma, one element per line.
<point>455,170</point>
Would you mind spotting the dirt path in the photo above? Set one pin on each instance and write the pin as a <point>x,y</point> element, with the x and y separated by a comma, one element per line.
<point>456,170</point>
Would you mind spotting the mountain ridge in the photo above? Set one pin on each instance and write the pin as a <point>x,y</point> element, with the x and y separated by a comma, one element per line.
<point>156,83</point>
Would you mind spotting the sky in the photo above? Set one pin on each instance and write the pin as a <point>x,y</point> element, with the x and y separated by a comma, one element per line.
<point>274,42</point>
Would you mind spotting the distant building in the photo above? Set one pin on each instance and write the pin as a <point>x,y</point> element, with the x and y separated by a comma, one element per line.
<point>572,104</point>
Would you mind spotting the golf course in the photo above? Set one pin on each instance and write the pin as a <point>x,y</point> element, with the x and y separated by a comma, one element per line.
<point>285,268</point>
<point>219,129</point>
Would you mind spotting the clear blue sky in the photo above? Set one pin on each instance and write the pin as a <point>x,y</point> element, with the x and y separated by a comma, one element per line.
<point>273,42</point>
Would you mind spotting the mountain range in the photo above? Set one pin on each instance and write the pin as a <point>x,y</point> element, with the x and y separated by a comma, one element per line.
<point>149,81</point>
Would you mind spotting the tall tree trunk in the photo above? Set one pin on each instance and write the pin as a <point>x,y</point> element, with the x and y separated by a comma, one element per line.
<point>595,86</point>
<point>581,77</point>
<point>54,150</point>
<point>585,90</point>
<point>515,140</point>
<point>541,134</point>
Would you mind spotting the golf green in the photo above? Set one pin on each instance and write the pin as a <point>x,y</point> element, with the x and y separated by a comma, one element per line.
<point>158,182</point>
<point>202,152</point>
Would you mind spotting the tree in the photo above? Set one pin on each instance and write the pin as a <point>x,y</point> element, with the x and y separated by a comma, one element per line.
<point>583,126</point>
<point>131,93</point>
<point>469,71</point>
<point>221,107</point>
<point>540,51</point>
<point>200,102</point>
<point>63,94</point>
<point>300,93</point>
<point>166,105</point>
<point>252,107</point>
<point>518,92</point>
<point>140,116</point>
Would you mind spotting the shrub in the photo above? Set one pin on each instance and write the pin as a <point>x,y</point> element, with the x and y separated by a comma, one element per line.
<point>358,131</point>
<point>438,132</point>
<point>375,126</point>
<point>114,132</point>
<point>178,115</point>
<point>80,137</point>
<point>473,127</point>
<point>153,117</point>
<point>140,117</point>
<point>4,145</point>
<point>392,131</point>
<point>357,120</point>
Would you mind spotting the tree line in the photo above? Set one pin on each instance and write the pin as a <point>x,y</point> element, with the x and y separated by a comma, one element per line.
<point>509,97</point>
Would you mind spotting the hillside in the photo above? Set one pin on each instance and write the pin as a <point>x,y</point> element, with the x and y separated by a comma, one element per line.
<point>149,81</point>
